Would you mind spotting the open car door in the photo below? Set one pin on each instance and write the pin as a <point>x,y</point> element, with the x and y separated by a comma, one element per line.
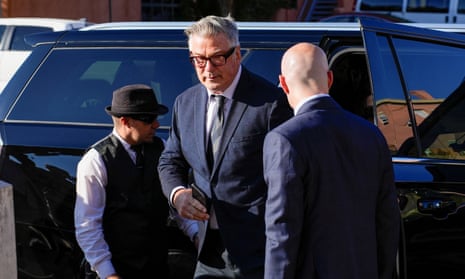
<point>418,84</point>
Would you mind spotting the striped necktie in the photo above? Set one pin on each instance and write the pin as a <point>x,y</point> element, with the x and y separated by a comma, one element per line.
<point>216,130</point>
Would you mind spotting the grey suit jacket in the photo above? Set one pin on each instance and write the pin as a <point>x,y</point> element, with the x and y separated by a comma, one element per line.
<point>331,210</point>
<point>235,184</point>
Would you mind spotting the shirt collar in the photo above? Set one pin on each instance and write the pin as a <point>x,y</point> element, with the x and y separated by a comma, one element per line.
<point>126,145</point>
<point>316,96</point>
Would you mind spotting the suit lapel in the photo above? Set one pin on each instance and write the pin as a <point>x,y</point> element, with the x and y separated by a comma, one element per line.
<point>234,116</point>
<point>232,121</point>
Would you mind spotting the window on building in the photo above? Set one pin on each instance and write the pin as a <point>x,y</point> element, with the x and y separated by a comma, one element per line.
<point>160,10</point>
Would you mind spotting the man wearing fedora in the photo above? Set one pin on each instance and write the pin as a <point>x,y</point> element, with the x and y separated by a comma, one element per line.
<point>120,208</point>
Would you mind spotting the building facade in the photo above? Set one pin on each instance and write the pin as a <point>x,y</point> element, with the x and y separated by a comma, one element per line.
<point>98,11</point>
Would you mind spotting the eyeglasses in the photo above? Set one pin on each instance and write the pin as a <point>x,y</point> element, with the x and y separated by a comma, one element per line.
<point>146,118</point>
<point>215,60</point>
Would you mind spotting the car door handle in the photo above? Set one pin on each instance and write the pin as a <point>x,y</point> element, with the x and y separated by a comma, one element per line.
<point>439,208</point>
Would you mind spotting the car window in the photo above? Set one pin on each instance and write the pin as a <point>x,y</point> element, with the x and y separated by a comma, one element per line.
<point>410,97</point>
<point>17,41</point>
<point>80,92</point>
<point>351,83</point>
<point>264,62</point>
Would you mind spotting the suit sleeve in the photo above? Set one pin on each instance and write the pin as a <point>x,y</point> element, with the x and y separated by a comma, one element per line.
<point>284,207</point>
<point>387,218</point>
<point>281,111</point>
<point>173,169</point>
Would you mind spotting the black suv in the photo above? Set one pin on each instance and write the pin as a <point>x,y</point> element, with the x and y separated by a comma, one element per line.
<point>407,80</point>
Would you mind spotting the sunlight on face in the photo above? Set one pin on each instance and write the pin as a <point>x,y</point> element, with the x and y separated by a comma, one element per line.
<point>215,78</point>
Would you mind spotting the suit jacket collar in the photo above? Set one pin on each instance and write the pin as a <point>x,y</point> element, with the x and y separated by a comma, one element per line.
<point>325,102</point>
<point>301,103</point>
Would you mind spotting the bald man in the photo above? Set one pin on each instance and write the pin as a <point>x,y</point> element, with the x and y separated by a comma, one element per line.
<point>331,209</point>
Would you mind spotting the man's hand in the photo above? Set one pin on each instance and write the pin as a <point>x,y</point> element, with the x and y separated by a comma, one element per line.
<point>188,207</point>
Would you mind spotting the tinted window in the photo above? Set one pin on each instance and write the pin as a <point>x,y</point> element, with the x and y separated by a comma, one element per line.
<point>351,83</point>
<point>83,88</point>
<point>79,93</point>
<point>18,43</point>
<point>266,63</point>
<point>432,73</point>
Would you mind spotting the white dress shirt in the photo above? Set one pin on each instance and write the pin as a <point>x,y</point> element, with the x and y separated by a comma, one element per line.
<point>91,179</point>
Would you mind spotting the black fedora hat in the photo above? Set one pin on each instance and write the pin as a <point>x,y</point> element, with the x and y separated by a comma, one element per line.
<point>135,99</point>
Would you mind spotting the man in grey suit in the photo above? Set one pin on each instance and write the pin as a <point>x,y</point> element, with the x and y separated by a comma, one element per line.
<point>331,210</point>
<point>228,186</point>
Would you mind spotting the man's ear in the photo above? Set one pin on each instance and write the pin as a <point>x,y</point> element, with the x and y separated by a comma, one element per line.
<point>124,120</point>
<point>330,78</point>
<point>282,82</point>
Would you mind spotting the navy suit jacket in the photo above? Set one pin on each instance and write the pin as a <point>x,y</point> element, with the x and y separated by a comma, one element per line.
<point>331,210</point>
<point>235,184</point>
